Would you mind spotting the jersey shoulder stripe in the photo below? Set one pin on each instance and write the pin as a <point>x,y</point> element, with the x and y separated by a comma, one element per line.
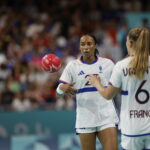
<point>64,82</point>
<point>124,92</point>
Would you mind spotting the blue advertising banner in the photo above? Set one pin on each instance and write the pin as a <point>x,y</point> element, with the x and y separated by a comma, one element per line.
<point>5,143</point>
<point>59,142</point>
<point>43,123</point>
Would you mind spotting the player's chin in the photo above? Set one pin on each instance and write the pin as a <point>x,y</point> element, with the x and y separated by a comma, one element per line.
<point>86,54</point>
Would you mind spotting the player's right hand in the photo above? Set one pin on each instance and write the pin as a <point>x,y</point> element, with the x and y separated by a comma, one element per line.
<point>68,88</point>
<point>94,80</point>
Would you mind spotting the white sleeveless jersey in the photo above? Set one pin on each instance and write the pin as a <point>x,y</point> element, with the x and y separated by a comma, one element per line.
<point>92,109</point>
<point>135,104</point>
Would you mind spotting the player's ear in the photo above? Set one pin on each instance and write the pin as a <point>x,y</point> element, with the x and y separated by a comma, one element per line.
<point>130,43</point>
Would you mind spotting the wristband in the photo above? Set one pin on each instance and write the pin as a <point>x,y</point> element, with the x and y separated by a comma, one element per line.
<point>59,91</point>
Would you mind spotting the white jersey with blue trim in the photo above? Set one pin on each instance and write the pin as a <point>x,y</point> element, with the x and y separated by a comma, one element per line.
<point>135,104</point>
<point>92,109</point>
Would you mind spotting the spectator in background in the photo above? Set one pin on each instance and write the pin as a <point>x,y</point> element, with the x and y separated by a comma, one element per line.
<point>22,103</point>
<point>6,97</point>
<point>145,23</point>
<point>121,38</point>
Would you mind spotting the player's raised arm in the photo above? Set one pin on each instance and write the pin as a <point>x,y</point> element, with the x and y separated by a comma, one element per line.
<point>107,92</point>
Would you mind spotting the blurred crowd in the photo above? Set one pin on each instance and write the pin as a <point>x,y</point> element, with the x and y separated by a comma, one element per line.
<point>29,29</point>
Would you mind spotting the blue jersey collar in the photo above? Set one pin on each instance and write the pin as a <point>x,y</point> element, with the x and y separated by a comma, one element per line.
<point>84,62</point>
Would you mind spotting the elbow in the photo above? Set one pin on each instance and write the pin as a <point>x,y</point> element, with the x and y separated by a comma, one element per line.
<point>108,96</point>
<point>107,93</point>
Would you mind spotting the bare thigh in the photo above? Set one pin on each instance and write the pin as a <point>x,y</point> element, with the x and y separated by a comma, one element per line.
<point>88,141</point>
<point>108,138</point>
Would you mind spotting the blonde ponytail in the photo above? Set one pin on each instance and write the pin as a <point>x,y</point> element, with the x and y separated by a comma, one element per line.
<point>140,38</point>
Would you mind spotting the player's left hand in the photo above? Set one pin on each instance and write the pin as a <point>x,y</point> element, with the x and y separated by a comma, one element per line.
<point>94,80</point>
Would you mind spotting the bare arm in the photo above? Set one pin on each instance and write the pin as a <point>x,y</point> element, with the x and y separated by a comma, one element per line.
<point>66,89</point>
<point>107,92</point>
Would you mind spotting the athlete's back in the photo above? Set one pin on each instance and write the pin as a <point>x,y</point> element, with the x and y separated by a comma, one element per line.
<point>132,76</point>
<point>135,107</point>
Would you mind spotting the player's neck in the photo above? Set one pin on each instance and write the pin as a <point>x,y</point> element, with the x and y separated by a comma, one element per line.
<point>89,59</point>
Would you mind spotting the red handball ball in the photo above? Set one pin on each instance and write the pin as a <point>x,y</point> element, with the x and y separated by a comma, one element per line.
<point>51,63</point>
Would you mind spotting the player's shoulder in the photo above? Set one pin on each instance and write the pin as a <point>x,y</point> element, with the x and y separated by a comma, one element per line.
<point>124,62</point>
<point>73,63</point>
<point>105,60</point>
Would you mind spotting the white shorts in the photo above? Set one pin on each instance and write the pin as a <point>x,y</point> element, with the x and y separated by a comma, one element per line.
<point>94,129</point>
<point>135,143</point>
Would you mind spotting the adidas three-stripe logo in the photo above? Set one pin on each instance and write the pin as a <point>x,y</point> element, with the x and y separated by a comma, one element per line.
<point>81,73</point>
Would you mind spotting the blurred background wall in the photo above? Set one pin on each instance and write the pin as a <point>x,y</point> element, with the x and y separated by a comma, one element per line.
<point>29,29</point>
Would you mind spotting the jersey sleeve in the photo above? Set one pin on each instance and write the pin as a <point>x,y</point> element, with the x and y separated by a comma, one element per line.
<point>66,76</point>
<point>111,66</point>
<point>115,79</point>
